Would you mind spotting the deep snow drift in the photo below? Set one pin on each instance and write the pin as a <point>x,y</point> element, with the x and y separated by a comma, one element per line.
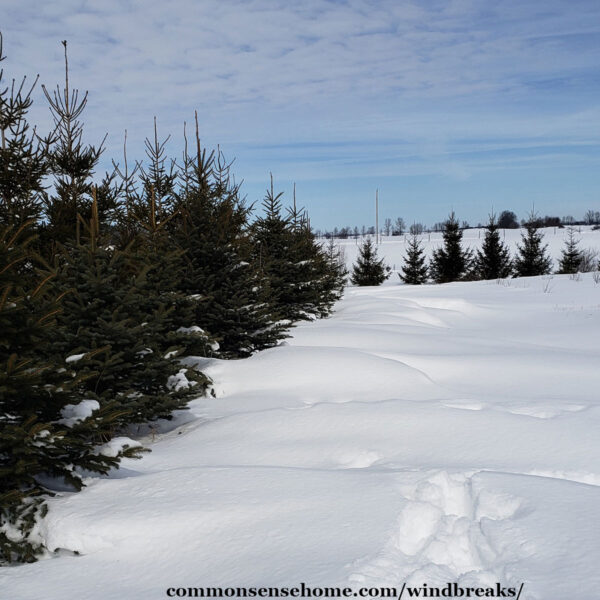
<point>422,434</point>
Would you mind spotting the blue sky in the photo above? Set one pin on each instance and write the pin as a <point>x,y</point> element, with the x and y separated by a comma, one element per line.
<point>455,104</point>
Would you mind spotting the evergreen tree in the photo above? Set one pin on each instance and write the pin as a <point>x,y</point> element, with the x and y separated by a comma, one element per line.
<point>336,274</point>
<point>116,326</point>
<point>319,277</point>
<point>38,434</point>
<point>493,260</point>
<point>147,228</point>
<point>369,270</point>
<point>38,397</point>
<point>153,201</point>
<point>451,262</point>
<point>72,164</point>
<point>571,256</point>
<point>23,155</point>
<point>414,270</point>
<point>288,256</point>
<point>234,301</point>
<point>532,258</point>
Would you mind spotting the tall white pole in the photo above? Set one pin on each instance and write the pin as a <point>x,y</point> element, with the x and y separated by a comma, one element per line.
<point>377,217</point>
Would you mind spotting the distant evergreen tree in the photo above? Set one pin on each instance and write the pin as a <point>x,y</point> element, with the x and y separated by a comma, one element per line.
<point>532,258</point>
<point>272,244</point>
<point>451,262</point>
<point>493,259</point>
<point>571,256</point>
<point>414,270</point>
<point>369,270</point>
<point>233,297</point>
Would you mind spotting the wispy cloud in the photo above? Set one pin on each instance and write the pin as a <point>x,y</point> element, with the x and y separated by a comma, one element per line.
<point>397,87</point>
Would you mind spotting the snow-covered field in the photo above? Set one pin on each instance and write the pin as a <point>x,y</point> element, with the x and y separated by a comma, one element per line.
<point>422,434</point>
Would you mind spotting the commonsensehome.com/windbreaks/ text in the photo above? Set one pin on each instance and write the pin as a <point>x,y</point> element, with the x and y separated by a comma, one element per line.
<point>448,590</point>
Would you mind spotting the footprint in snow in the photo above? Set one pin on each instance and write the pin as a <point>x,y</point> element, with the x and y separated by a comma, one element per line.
<point>440,535</point>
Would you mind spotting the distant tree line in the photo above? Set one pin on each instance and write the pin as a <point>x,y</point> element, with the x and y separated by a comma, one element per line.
<point>506,220</point>
<point>453,262</point>
<point>106,287</point>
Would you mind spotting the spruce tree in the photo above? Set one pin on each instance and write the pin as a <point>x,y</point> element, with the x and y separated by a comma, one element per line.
<point>532,258</point>
<point>234,298</point>
<point>319,279</point>
<point>335,276</point>
<point>451,262</point>
<point>47,428</point>
<point>147,228</point>
<point>369,270</point>
<point>153,200</point>
<point>303,282</point>
<point>72,164</point>
<point>39,436</point>
<point>116,326</point>
<point>493,259</point>
<point>414,270</point>
<point>571,256</point>
<point>23,155</point>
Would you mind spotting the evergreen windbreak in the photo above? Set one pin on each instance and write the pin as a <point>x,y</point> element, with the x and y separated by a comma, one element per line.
<point>106,288</point>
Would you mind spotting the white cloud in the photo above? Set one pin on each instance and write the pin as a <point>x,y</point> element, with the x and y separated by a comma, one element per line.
<point>433,77</point>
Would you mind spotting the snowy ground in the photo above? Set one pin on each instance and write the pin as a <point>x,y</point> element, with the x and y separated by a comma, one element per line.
<point>422,434</point>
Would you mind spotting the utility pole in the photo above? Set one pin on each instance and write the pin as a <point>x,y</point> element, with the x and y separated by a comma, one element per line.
<point>377,217</point>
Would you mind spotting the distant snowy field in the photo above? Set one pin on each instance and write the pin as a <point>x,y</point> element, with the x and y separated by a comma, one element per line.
<point>393,248</point>
<point>440,433</point>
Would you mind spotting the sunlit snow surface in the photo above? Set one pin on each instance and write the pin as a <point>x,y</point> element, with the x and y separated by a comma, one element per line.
<point>421,434</point>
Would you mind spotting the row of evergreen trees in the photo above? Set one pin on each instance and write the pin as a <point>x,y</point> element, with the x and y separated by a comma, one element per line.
<point>104,287</point>
<point>452,262</point>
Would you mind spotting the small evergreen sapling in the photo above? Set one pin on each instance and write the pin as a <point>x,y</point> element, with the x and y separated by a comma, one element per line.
<point>532,258</point>
<point>493,259</point>
<point>369,270</point>
<point>451,262</point>
<point>414,270</point>
<point>335,276</point>
<point>571,256</point>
